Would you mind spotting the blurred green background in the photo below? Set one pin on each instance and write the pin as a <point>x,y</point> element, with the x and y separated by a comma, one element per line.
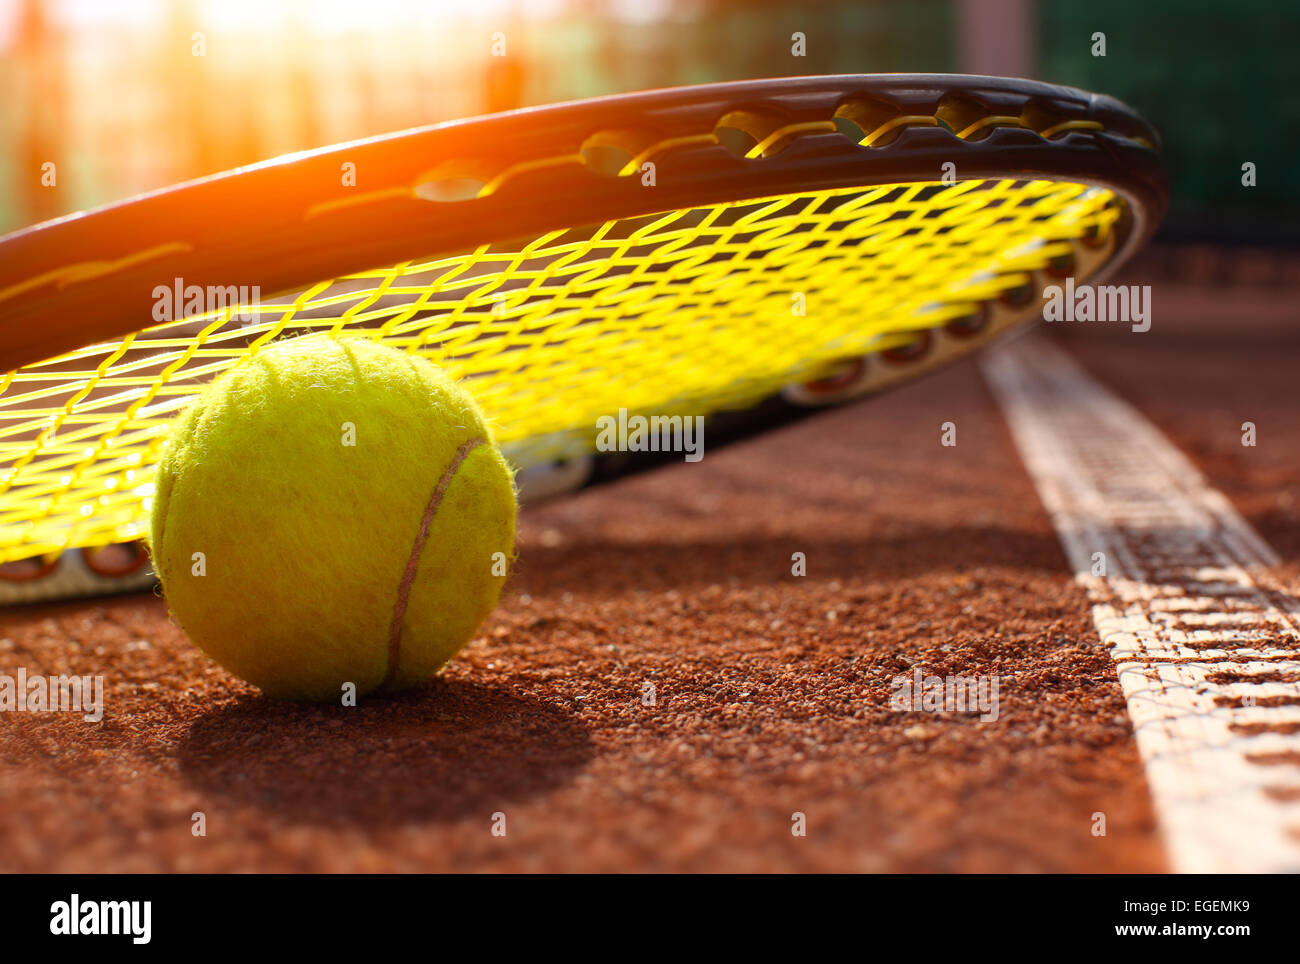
<point>115,95</point>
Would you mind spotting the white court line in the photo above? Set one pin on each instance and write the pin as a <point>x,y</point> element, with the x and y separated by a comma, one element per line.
<point>1205,639</point>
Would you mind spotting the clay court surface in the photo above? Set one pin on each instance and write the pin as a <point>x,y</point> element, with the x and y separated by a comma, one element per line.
<point>771,690</point>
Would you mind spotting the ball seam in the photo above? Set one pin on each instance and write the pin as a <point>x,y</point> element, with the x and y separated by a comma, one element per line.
<point>413,563</point>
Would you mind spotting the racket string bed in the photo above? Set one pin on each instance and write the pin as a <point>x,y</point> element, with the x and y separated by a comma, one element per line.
<point>683,312</point>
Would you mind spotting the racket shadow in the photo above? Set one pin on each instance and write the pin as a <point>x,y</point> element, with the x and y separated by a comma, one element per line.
<point>756,559</point>
<point>444,751</point>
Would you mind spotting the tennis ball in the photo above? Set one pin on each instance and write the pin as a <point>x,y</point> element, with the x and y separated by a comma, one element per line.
<point>329,512</point>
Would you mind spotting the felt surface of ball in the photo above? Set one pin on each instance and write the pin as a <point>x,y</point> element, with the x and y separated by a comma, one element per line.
<point>332,511</point>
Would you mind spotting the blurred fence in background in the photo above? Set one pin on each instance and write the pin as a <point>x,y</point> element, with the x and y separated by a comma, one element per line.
<point>1220,79</point>
<point>112,92</point>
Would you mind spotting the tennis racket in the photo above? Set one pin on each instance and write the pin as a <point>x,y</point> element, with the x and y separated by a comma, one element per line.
<point>745,252</point>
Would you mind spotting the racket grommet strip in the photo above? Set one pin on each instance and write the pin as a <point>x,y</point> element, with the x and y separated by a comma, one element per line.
<point>970,324</point>
<point>30,569</point>
<point>910,352</point>
<point>840,376</point>
<point>109,561</point>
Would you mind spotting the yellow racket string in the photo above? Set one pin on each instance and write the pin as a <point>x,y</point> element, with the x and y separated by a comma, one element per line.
<point>683,312</point>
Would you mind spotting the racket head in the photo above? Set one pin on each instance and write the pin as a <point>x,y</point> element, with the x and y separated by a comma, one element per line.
<point>446,241</point>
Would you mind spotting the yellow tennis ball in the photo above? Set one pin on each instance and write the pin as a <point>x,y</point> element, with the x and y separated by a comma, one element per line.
<point>332,512</point>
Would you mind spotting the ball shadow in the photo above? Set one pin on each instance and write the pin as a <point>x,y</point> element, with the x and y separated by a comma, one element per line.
<point>445,750</point>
